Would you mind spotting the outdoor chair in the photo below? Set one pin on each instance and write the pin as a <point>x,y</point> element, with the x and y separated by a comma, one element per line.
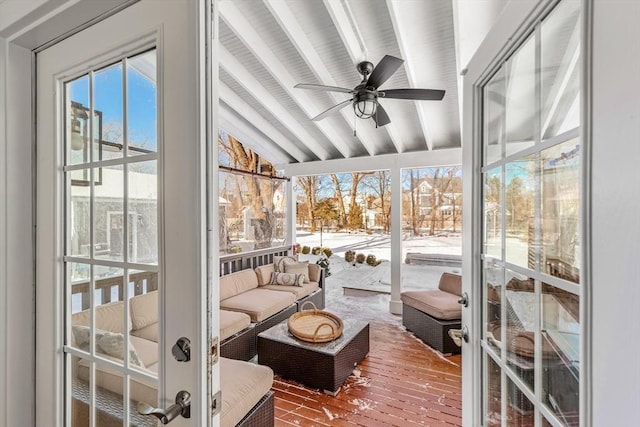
<point>430,314</point>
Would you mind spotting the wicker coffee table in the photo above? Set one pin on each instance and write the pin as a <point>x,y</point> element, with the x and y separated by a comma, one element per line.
<point>323,365</point>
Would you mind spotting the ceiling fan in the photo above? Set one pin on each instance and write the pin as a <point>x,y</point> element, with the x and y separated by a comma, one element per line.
<point>365,95</point>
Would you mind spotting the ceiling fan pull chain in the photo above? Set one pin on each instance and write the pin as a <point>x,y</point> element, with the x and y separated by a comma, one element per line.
<point>355,125</point>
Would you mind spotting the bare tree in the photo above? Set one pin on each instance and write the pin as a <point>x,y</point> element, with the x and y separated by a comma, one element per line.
<point>337,191</point>
<point>309,186</point>
<point>354,209</point>
<point>380,188</point>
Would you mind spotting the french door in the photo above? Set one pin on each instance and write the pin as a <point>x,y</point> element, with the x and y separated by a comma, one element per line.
<point>121,221</point>
<point>526,249</point>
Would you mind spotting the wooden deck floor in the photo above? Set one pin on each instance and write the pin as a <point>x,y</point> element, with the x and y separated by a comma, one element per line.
<point>402,382</point>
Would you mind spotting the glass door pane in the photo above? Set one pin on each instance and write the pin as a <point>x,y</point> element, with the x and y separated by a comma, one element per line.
<point>531,210</point>
<point>111,246</point>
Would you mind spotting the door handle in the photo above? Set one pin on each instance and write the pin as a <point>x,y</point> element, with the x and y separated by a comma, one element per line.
<point>181,407</point>
<point>464,300</point>
<point>457,335</point>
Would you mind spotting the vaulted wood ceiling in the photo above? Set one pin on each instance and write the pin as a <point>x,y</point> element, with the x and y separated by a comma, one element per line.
<point>267,46</point>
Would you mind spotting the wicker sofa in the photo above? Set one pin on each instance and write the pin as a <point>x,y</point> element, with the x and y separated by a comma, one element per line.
<point>430,314</point>
<point>247,400</point>
<point>249,304</point>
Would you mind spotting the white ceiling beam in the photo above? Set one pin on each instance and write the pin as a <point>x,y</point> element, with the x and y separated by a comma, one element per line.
<point>353,41</point>
<point>268,101</point>
<point>343,20</point>
<point>248,136</point>
<point>245,110</point>
<point>289,24</point>
<point>414,159</point>
<point>252,40</point>
<point>408,56</point>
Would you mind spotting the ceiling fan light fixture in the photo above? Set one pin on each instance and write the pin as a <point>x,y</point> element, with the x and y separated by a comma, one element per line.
<point>365,105</point>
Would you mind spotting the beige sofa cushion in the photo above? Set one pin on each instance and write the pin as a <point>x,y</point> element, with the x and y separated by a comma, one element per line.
<point>436,303</point>
<point>144,310</point>
<point>109,317</point>
<point>298,291</point>
<point>243,384</point>
<point>451,283</point>
<point>147,350</point>
<point>279,262</point>
<point>259,304</point>
<point>232,322</point>
<point>298,268</point>
<point>314,272</point>
<point>236,283</point>
<point>148,332</point>
<point>108,378</point>
<point>264,274</point>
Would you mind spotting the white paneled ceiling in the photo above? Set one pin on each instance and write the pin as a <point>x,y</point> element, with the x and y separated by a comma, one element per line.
<point>268,46</point>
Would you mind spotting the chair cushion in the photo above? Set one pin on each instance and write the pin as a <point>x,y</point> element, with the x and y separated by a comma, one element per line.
<point>436,303</point>
<point>144,310</point>
<point>259,304</point>
<point>451,283</point>
<point>298,291</point>
<point>236,283</point>
<point>232,322</point>
<point>243,384</point>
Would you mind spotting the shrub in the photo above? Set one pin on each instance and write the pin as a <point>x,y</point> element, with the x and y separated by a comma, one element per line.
<point>371,260</point>
<point>305,250</point>
<point>328,252</point>
<point>350,256</point>
<point>323,262</point>
<point>316,250</point>
<point>360,258</point>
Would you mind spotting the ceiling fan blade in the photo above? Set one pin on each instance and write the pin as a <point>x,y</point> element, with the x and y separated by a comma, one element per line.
<point>419,94</point>
<point>332,110</point>
<point>385,69</point>
<point>322,87</point>
<point>381,117</point>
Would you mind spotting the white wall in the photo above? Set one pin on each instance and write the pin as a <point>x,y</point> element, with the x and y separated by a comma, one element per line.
<point>17,348</point>
<point>615,239</point>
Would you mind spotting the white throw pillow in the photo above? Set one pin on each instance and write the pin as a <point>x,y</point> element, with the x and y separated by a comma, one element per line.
<point>109,343</point>
<point>286,279</point>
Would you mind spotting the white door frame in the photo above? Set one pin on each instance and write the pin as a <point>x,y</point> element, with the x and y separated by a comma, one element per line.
<point>182,63</point>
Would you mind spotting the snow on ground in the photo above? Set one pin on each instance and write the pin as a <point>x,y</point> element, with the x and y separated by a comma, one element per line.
<point>414,276</point>
<point>380,244</point>
<point>375,307</point>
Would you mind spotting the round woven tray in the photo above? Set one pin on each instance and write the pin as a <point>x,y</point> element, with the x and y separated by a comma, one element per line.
<point>315,325</point>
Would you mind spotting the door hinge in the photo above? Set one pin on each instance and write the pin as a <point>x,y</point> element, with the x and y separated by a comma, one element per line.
<point>214,350</point>
<point>216,403</point>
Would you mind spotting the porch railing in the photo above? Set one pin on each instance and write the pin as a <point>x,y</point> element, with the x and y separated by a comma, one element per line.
<point>143,282</point>
<point>242,261</point>
<point>146,281</point>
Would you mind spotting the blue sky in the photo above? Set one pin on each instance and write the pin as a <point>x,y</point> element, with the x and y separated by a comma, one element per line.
<point>142,104</point>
